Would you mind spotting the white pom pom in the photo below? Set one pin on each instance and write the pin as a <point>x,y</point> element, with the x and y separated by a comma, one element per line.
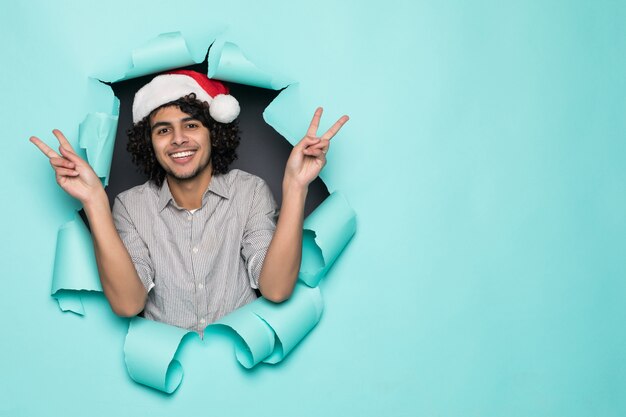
<point>224,108</point>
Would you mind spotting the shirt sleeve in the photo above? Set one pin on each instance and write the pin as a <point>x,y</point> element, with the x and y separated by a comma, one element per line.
<point>136,247</point>
<point>258,232</point>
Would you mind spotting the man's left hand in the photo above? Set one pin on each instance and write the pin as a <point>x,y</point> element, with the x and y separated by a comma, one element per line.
<point>308,157</point>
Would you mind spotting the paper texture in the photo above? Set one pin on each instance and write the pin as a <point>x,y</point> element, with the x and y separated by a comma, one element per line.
<point>165,52</point>
<point>228,63</point>
<point>96,135</point>
<point>269,331</point>
<point>75,266</point>
<point>327,231</point>
<point>149,353</point>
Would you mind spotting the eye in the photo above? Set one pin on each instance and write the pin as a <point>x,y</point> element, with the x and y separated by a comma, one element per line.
<point>192,125</point>
<point>163,131</point>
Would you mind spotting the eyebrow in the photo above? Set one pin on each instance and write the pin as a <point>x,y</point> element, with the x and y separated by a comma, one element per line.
<point>167,123</point>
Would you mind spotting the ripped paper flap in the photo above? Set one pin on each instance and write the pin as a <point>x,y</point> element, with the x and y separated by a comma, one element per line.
<point>228,63</point>
<point>96,135</point>
<point>165,52</point>
<point>75,267</point>
<point>288,323</point>
<point>327,231</point>
<point>149,352</point>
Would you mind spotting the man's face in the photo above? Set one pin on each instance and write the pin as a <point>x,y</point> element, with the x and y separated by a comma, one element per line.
<point>182,144</point>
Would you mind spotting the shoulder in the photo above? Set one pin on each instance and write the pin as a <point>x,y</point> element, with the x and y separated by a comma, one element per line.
<point>243,182</point>
<point>237,176</point>
<point>248,187</point>
<point>143,193</point>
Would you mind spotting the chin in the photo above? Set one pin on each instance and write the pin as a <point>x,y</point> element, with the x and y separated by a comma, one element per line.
<point>182,176</point>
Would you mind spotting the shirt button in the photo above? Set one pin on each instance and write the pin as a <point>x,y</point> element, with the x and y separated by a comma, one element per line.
<point>195,250</point>
<point>190,217</point>
<point>202,321</point>
<point>200,286</point>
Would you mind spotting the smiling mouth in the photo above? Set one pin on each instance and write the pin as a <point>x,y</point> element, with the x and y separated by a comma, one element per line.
<point>182,155</point>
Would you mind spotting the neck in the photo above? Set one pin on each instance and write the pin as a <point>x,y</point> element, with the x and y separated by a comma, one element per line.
<point>188,193</point>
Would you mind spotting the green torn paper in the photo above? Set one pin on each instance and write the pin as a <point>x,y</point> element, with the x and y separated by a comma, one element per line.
<point>149,352</point>
<point>96,135</point>
<point>327,231</point>
<point>165,52</point>
<point>266,331</point>
<point>75,267</point>
<point>256,339</point>
<point>269,331</point>
<point>287,102</point>
<point>291,320</point>
<point>228,63</point>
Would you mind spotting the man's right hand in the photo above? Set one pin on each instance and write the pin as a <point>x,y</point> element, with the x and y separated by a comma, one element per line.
<point>73,173</point>
<point>118,276</point>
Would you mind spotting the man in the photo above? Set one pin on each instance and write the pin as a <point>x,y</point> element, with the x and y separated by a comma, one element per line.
<point>192,243</point>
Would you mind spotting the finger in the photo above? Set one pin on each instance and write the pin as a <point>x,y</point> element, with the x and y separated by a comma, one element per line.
<point>62,163</point>
<point>63,140</point>
<point>315,123</point>
<point>315,152</point>
<point>48,151</point>
<point>335,128</point>
<point>64,172</point>
<point>70,155</point>
<point>321,144</point>
<point>307,142</point>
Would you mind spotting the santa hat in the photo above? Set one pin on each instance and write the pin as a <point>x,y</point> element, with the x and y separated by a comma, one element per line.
<point>173,85</point>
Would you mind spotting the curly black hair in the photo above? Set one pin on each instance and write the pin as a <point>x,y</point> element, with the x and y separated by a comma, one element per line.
<point>224,139</point>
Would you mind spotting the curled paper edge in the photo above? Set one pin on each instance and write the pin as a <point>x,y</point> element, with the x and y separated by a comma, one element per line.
<point>289,323</point>
<point>150,350</point>
<point>75,267</point>
<point>164,52</point>
<point>227,62</point>
<point>332,224</point>
<point>96,135</point>
<point>290,332</point>
<point>255,339</point>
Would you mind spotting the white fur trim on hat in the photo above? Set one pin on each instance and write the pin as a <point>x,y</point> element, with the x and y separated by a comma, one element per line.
<point>170,87</point>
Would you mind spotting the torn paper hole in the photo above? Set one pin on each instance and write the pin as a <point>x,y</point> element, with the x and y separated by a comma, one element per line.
<point>267,332</point>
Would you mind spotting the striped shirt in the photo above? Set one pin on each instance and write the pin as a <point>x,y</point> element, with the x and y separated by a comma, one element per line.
<point>198,266</point>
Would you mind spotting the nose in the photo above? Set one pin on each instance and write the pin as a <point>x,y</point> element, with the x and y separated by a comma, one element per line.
<point>179,138</point>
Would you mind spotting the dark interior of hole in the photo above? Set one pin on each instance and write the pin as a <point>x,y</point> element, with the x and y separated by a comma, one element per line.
<point>262,151</point>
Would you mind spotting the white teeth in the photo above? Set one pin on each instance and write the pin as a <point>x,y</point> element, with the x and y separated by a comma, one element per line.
<point>182,154</point>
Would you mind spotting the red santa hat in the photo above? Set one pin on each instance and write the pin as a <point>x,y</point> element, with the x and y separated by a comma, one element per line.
<point>173,85</point>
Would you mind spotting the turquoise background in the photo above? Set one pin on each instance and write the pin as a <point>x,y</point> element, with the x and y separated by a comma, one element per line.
<point>485,157</point>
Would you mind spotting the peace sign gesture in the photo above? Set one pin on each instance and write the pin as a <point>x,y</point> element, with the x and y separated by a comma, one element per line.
<point>73,174</point>
<point>308,157</point>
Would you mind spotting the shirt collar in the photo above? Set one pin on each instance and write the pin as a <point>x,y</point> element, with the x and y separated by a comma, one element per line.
<point>218,186</point>
<point>165,195</point>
